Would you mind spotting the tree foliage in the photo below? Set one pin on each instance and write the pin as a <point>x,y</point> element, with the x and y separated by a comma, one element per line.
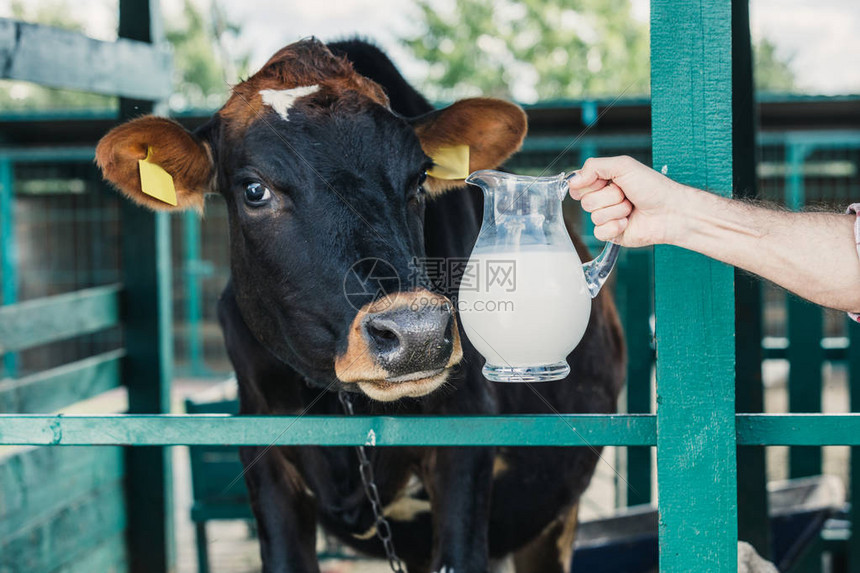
<point>202,69</point>
<point>772,73</point>
<point>531,50</point>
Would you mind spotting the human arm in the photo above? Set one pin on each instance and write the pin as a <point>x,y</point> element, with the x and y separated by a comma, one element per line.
<point>813,255</point>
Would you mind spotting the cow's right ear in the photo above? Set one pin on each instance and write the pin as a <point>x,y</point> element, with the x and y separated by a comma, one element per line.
<point>165,143</point>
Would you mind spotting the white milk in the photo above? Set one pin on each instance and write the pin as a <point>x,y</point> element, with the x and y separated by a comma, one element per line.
<point>536,320</point>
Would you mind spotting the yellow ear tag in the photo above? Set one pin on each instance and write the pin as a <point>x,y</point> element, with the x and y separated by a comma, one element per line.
<point>155,181</point>
<point>450,162</point>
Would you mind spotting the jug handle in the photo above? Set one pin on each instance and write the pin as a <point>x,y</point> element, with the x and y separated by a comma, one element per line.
<point>597,270</point>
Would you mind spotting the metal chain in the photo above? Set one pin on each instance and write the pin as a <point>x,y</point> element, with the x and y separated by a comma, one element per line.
<point>383,528</point>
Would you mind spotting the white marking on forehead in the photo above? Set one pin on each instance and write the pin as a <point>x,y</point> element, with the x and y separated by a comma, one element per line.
<point>282,100</point>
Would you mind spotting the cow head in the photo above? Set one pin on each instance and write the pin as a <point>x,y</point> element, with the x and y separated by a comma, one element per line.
<point>324,185</point>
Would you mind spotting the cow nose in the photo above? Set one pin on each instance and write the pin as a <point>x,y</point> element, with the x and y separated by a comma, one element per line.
<point>409,340</point>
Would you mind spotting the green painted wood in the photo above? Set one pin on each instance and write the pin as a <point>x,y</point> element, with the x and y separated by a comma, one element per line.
<point>193,303</point>
<point>798,429</point>
<point>854,483</point>
<point>691,87</point>
<point>64,59</point>
<point>213,429</point>
<point>753,521</point>
<point>108,557</point>
<point>547,430</point>
<point>53,318</point>
<point>68,535</point>
<point>31,488</point>
<point>833,348</point>
<point>638,301</point>
<point>8,253</point>
<point>147,372</point>
<point>53,389</point>
<point>805,357</point>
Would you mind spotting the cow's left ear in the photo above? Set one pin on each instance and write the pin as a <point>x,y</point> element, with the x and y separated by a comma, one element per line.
<point>166,147</point>
<point>492,129</point>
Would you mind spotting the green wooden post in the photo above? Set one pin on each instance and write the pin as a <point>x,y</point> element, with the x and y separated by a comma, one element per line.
<point>8,250</point>
<point>805,356</point>
<point>691,86</point>
<point>753,521</point>
<point>805,330</point>
<point>147,372</point>
<point>194,341</point>
<point>854,385</point>
<point>588,149</point>
<point>638,290</point>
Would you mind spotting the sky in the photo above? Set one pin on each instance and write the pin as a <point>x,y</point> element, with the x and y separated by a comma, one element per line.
<point>821,37</point>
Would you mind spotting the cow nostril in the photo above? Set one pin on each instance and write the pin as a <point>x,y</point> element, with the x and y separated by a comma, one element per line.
<point>449,330</point>
<point>384,336</point>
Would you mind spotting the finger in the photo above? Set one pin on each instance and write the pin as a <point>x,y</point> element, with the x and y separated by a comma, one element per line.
<point>606,197</point>
<point>619,211</point>
<point>611,230</point>
<point>606,167</point>
<point>581,192</point>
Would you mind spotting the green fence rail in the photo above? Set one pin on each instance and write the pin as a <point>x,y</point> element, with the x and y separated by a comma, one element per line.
<point>695,428</point>
<point>581,430</point>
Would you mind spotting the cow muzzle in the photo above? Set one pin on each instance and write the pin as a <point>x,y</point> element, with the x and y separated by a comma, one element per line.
<point>402,345</point>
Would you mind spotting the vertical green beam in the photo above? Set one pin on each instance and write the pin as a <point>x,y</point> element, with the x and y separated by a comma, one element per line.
<point>8,250</point>
<point>637,310</point>
<point>805,330</point>
<point>191,223</point>
<point>805,357</point>
<point>147,317</point>
<point>753,522</point>
<point>588,149</point>
<point>691,87</point>
<point>795,193</point>
<point>854,385</point>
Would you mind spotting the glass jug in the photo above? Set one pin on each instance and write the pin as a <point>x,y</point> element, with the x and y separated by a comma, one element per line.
<point>525,296</point>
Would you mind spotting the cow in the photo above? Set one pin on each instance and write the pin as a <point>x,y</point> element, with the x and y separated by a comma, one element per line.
<point>322,159</point>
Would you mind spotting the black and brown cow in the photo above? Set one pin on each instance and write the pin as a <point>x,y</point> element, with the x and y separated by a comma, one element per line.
<point>321,157</point>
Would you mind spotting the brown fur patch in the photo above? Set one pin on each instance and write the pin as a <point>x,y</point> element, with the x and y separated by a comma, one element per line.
<point>305,63</point>
<point>500,466</point>
<point>357,363</point>
<point>174,148</point>
<point>552,550</point>
<point>493,129</point>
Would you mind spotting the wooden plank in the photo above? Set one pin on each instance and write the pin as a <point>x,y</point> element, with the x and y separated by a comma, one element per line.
<point>49,319</point>
<point>798,429</point>
<point>640,357</point>
<point>549,430</point>
<point>53,389</point>
<point>146,268</point>
<point>214,429</point>
<point>62,537</point>
<point>108,557</point>
<point>854,479</point>
<point>64,59</point>
<point>8,253</point>
<point>805,357</point>
<point>27,497</point>
<point>691,87</point>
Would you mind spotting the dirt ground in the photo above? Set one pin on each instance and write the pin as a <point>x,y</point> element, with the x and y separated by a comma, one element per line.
<point>233,550</point>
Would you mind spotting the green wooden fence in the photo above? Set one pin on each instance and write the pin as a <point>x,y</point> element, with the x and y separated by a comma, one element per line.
<point>695,429</point>
<point>105,509</point>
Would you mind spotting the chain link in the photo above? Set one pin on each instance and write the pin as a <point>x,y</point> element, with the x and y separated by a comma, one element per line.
<point>383,528</point>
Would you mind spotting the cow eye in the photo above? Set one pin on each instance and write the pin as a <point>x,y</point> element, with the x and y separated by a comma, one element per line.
<point>422,178</point>
<point>256,194</point>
